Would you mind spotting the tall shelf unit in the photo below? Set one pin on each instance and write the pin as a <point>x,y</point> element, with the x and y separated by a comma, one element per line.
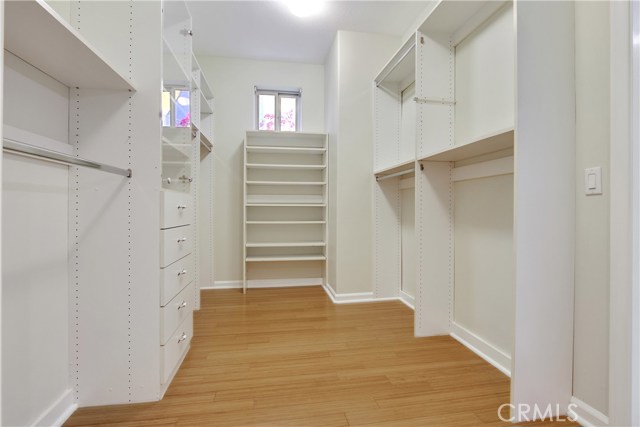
<point>285,199</point>
<point>178,255</point>
<point>487,261</point>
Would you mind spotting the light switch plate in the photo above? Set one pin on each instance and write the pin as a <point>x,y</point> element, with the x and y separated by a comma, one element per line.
<point>593,181</point>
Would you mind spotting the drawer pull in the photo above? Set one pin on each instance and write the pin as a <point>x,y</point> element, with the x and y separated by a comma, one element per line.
<point>182,206</point>
<point>182,305</point>
<point>180,273</point>
<point>182,338</point>
<point>182,239</point>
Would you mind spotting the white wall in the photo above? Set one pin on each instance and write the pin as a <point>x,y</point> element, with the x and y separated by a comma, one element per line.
<point>232,81</point>
<point>591,356</point>
<point>360,58</point>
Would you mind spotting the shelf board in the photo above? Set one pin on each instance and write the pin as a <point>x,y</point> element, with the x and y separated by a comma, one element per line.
<point>285,244</point>
<point>300,183</point>
<point>487,144</point>
<point>205,141</point>
<point>286,167</point>
<point>399,167</point>
<point>285,198</point>
<point>284,150</point>
<point>286,258</point>
<point>35,33</point>
<point>271,134</point>
<point>401,68</point>
<point>284,222</point>
<point>287,205</point>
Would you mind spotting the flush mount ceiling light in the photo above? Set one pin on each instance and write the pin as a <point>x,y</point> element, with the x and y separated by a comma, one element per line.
<point>305,8</point>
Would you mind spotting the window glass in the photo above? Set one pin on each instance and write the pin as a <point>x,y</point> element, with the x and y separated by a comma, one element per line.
<point>183,111</point>
<point>288,114</point>
<point>266,112</point>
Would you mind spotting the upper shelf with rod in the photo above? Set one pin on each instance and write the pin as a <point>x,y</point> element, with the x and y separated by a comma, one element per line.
<point>38,35</point>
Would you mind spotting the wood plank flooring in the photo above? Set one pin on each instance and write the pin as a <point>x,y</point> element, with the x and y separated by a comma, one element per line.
<point>290,357</point>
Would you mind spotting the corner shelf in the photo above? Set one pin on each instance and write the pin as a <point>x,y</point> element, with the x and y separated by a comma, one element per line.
<point>487,144</point>
<point>38,35</point>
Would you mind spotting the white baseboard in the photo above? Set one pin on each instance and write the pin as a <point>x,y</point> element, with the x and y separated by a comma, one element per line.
<point>353,297</point>
<point>482,348</point>
<point>59,411</point>
<point>408,300</point>
<point>265,283</point>
<point>588,416</point>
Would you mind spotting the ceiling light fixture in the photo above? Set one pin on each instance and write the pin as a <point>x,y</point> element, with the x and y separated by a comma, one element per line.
<point>305,8</point>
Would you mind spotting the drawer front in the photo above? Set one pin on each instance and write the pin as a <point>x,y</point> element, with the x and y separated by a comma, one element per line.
<point>175,348</point>
<point>174,278</point>
<point>176,243</point>
<point>174,313</point>
<point>176,208</point>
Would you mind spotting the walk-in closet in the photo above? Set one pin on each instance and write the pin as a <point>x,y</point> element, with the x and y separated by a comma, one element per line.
<point>319,213</point>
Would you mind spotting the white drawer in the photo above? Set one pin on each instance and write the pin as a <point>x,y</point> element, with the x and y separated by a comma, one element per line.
<point>176,243</point>
<point>175,348</point>
<point>175,277</point>
<point>176,209</point>
<point>174,313</point>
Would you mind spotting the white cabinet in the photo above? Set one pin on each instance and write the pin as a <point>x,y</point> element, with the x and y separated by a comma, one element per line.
<point>285,199</point>
<point>494,107</point>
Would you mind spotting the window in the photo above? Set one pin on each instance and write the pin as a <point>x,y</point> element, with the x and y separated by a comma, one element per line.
<point>278,110</point>
<point>175,108</point>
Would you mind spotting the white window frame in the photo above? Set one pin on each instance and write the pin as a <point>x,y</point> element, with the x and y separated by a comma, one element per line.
<point>279,94</point>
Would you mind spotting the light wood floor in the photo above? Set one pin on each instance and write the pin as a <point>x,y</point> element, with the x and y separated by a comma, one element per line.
<point>290,357</point>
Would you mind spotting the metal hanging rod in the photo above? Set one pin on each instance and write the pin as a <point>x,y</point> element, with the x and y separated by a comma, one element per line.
<point>404,172</point>
<point>433,101</point>
<point>27,150</point>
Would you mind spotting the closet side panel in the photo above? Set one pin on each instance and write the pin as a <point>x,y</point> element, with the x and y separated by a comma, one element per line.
<point>544,204</point>
<point>434,210</point>
<point>114,221</point>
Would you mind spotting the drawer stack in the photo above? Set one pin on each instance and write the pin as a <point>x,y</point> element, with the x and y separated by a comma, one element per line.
<point>176,287</point>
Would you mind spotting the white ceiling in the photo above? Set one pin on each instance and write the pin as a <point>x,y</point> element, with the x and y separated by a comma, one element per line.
<point>266,30</point>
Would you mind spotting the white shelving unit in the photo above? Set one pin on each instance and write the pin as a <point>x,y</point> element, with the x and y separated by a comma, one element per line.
<point>285,198</point>
<point>394,159</point>
<point>486,260</point>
